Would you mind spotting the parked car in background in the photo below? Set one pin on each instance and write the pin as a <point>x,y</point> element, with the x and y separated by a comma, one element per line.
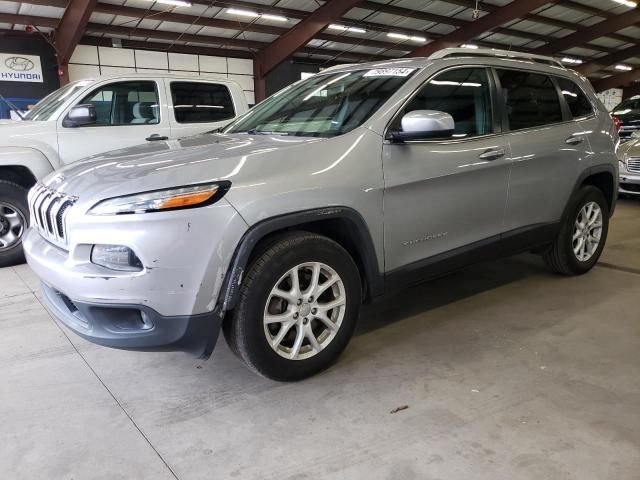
<point>629,156</point>
<point>93,116</point>
<point>358,181</point>
<point>628,114</point>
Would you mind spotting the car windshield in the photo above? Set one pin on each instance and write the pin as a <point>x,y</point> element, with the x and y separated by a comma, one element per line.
<point>324,105</point>
<point>49,104</point>
<point>627,106</point>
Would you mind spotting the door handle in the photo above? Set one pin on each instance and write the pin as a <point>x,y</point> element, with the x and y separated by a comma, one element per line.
<point>156,137</point>
<point>492,154</point>
<point>574,140</point>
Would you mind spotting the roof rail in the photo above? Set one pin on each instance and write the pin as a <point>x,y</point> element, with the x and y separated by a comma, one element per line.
<point>494,52</point>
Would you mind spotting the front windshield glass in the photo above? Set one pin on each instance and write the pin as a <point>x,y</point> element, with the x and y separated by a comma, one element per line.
<point>323,105</point>
<point>49,104</point>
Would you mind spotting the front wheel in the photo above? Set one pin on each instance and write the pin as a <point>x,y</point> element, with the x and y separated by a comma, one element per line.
<point>582,235</point>
<point>298,307</point>
<point>14,214</point>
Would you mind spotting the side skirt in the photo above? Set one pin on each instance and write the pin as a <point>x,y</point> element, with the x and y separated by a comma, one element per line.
<point>499,246</point>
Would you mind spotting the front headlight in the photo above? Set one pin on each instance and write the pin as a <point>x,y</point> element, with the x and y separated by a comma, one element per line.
<point>162,200</point>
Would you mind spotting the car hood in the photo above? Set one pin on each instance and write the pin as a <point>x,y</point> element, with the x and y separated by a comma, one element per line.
<point>158,165</point>
<point>16,133</point>
<point>630,149</point>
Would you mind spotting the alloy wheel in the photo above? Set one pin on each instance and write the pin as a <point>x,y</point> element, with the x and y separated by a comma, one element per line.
<point>304,310</point>
<point>12,225</point>
<point>587,231</point>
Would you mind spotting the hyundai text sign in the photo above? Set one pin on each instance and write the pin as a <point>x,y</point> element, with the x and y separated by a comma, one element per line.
<point>15,67</point>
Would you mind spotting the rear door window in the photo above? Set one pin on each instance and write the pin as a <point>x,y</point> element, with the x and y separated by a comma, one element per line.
<point>531,99</point>
<point>196,102</point>
<point>578,102</point>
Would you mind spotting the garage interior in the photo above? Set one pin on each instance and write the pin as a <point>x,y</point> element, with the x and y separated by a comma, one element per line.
<point>499,371</point>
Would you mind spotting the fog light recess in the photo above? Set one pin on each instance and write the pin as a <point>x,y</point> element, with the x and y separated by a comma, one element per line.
<point>116,257</point>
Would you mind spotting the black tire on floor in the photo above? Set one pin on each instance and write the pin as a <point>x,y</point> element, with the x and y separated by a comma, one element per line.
<point>560,257</point>
<point>15,196</point>
<point>244,330</point>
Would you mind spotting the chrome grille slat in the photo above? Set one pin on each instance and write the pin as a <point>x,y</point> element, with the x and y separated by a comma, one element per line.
<point>633,164</point>
<point>49,210</point>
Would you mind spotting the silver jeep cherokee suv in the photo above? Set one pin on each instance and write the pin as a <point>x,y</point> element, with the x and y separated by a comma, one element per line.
<point>358,181</point>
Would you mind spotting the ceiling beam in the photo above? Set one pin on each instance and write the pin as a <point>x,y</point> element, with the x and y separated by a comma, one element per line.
<point>631,91</point>
<point>29,20</point>
<point>533,17</point>
<point>298,36</point>
<point>407,13</point>
<point>608,60</point>
<point>167,16</point>
<point>507,13</point>
<point>616,81</point>
<point>71,28</point>
<point>585,34</point>
<point>301,14</point>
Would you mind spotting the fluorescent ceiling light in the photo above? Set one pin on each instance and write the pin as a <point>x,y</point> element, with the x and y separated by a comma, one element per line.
<point>627,3</point>
<point>573,61</point>
<point>249,13</point>
<point>344,28</point>
<point>399,36</point>
<point>242,13</point>
<point>175,3</point>
<point>470,45</point>
<point>624,68</point>
<point>276,18</point>
<point>402,36</point>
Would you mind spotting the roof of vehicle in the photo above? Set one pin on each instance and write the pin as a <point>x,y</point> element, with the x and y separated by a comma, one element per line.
<point>457,54</point>
<point>461,55</point>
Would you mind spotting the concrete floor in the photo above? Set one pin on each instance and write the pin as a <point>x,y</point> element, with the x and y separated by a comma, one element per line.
<point>507,372</point>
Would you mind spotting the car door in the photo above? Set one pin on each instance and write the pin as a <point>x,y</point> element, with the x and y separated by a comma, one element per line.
<point>128,113</point>
<point>445,194</point>
<point>199,106</point>
<point>546,147</point>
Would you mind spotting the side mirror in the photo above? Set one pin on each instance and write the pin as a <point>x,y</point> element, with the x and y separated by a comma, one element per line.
<point>424,125</point>
<point>80,115</point>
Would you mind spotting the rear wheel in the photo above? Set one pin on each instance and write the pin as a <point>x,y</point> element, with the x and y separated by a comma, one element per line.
<point>583,234</point>
<point>14,215</point>
<point>298,307</point>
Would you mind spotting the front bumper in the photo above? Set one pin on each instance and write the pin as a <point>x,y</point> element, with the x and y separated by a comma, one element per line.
<point>134,327</point>
<point>629,183</point>
<point>170,304</point>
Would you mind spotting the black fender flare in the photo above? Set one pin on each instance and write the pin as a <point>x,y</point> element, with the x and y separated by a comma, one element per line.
<point>229,291</point>
<point>593,170</point>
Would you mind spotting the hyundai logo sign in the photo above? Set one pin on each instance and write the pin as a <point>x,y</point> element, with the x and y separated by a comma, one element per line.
<point>20,68</point>
<point>19,64</point>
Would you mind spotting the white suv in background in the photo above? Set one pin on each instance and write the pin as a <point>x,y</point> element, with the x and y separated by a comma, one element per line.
<point>94,116</point>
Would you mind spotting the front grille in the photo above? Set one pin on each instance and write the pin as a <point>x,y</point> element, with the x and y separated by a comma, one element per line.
<point>49,209</point>
<point>633,164</point>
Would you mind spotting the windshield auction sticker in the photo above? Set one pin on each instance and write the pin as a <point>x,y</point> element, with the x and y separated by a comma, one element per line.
<point>389,72</point>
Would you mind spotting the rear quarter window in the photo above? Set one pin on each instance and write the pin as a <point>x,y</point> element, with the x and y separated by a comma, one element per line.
<point>578,102</point>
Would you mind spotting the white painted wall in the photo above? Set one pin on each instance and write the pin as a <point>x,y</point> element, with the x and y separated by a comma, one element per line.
<point>89,61</point>
<point>611,98</point>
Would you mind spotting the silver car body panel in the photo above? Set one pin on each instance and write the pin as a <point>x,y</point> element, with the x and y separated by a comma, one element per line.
<point>416,200</point>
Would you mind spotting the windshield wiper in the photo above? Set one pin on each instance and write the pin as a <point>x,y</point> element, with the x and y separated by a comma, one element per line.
<point>255,131</point>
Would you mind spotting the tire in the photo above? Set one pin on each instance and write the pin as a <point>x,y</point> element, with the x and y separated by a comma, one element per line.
<point>13,207</point>
<point>251,339</point>
<point>561,257</point>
